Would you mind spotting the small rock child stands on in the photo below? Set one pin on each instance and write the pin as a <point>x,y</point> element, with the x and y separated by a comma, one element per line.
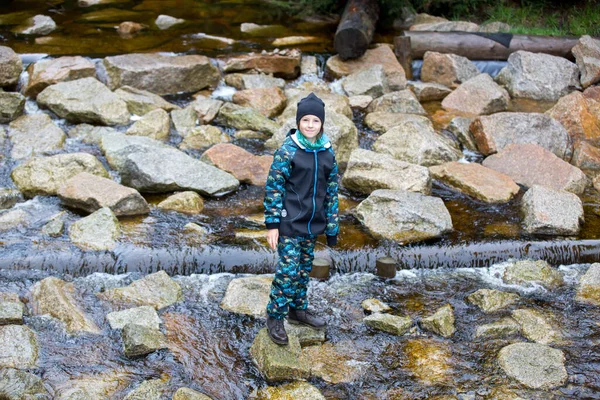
<point>301,202</point>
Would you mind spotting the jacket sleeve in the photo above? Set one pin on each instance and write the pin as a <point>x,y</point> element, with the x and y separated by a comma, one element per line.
<point>331,205</point>
<point>275,187</point>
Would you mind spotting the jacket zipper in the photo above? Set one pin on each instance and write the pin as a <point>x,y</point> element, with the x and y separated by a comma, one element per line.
<point>315,152</point>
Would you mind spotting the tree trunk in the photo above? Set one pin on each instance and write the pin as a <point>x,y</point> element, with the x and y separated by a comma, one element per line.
<point>356,28</point>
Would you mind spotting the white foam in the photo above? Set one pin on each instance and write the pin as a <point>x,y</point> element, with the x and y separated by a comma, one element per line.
<point>223,92</point>
<point>336,87</point>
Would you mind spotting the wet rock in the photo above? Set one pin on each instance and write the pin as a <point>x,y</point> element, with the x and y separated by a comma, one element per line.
<point>586,157</point>
<point>428,361</point>
<point>534,365</point>
<point>588,290</point>
<point>370,81</point>
<point>283,64</point>
<point>477,96</point>
<point>495,27</point>
<point>293,390</point>
<point>19,347</point>
<point>12,106</point>
<point>278,363</point>
<point>574,113</point>
<point>166,21</point>
<point>10,67</point>
<point>9,197</point>
<point>270,102</point>
<point>529,272</point>
<point>441,322</point>
<point>308,65</point>
<point>44,175</point>
<point>90,134</point>
<point>416,142</point>
<point>307,336</point>
<point>334,103</point>
<point>139,340</point>
<point>384,121</point>
<point>56,226</point>
<point>84,100</point>
<point>404,216</point>
<point>189,394</point>
<point>11,313</point>
<point>446,26</point>
<point>155,124</point>
<point>157,290</point>
<point>549,211</point>
<point>17,385</point>
<point>403,101</point>
<point>184,202</point>
<point>459,126</point>
<point>13,219</point>
<point>449,70</point>
<point>360,102</point>
<point>368,171</point>
<point>381,54</point>
<point>499,329</point>
<point>375,306</point>
<point>127,29</point>
<point>243,165</point>
<point>538,76</point>
<point>203,136</point>
<point>198,233</point>
<point>494,132</point>
<point>490,300</point>
<point>333,363</point>
<point>37,25</point>
<point>161,74</point>
<point>245,118</point>
<point>248,295</point>
<point>587,56</point>
<point>141,102</point>
<point>98,231</point>
<point>389,323</point>
<point>90,193</point>
<point>429,91</point>
<point>34,134</point>
<point>536,326</point>
<point>477,181</point>
<point>530,164</point>
<point>253,81</point>
<point>49,72</point>
<point>206,109</point>
<point>145,316</point>
<point>93,386</point>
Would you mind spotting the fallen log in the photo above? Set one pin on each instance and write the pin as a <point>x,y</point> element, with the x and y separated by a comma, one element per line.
<point>487,46</point>
<point>356,28</point>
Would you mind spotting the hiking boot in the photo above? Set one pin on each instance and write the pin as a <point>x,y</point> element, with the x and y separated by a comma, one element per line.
<point>305,317</point>
<point>276,330</point>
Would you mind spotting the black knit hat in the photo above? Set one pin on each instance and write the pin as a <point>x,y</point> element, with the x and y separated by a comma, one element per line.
<point>311,105</point>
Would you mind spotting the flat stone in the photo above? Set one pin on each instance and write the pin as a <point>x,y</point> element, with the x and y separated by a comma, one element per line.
<point>479,95</point>
<point>529,272</point>
<point>243,165</point>
<point>588,290</point>
<point>48,72</point>
<point>333,363</point>
<point>375,306</point>
<point>139,340</point>
<point>16,385</point>
<point>270,102</point>
<point>12,106</point>
<point>449,70</point>
<point>389,323</point>
<point>293,390</point>
<point>534,365</point>
<point>278,363</point>
<point>253,81</point>
<point>499,329</point>
<point>183,202</point>
<point>429,91</point>
<point>145,316</point>
<point>576,114</point>
<point>11,313</point>
<point>441,322</point>
<point>536,326</point>
<point>11,67</point>
<point>403,101</point>
<point>32,135</point>
<point>549,211</point>
<point>166,21</point>
<point>370,81</point>
<point>19,347</point>
<point>429,361</point>
<point>9,197</point>
<point>587,56</point>
<point>282,64</point>
<point>141,102</point>
<point>490,300</point>
<point>240,117</point>
<point>98,231</point>
<point>248,296</point>
<point>189,394</point>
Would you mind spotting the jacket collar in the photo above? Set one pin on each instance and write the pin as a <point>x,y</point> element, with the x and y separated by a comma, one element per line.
<point>294,137</point>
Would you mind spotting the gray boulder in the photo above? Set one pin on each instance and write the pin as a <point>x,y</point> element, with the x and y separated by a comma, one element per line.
<point>490,300</point>
<point>370,81</point>
<point>447,69</point>
<point>537,326</point>
<point>389,323</point>
<point>534,365</point>
<point>19,347</point>
<point>139,340</point>
<point>403,101</point>
<point>34,134</point>
<point>551,212</point>
<point>533,272</point>
<point>141,102</point>
<point>17,385</point>
<point>12,106</point>
<point>248,295</point>
<point>240,117</point>
<point>10,67</point>
<point>37,25</point>
<point>154,124</point>
<point>441,322</point>
<point>477,96</point>
<point>47,72</point>
<point>278,363</point>
<point>588,290</point>
<point>587,56</point>
<point>117,147</point>
<point>97,231</point>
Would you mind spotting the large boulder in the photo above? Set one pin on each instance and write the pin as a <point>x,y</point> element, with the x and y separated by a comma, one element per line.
<point>447,69</point>
<point>243,165</point>
<point>154,124</point>
<point>534,365</point>
<point>441,322</point>
<point>85,100</point>
<point>253,81</point>
<point>490,300</point>
<point>141,102</point>
<point>35,134</point>
<point>538,76</point>
<point>117,147</point>
<point>57,298</point>
<point>404,216</point>
<point>477,96</point>
<point>384,121</point>
<point>587,56</point>
<point>369,81</point>
<point>282,64</point>
<point>549,211</point>
<point>248,295</point>
<point>494,132</point>
<point>45,175</point>
<point>367,171</point>
<point>16,384</point>
<point>91,192</point>
<point>530,272</point>
<point>240,117</point>
<point>389,323</point>
<point>530,164</point>
<point>98,231</point>
<point>270,102</point>
<point>19,347</point>
<point>49,72</point>
<point>576,114</point>
<point>402,101</point>
<point>10,67</point>
<point>537,326</point>
<point>161,74</point>
<point>278,363</point>
<point>588,290</point>
<point>12,106</point>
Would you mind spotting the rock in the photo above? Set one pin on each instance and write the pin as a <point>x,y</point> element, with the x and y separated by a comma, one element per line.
<point>477,96</point>
<point>587,56</point>
<point>495,27</point>
<point>90,193</point>
<point>84,100</point>
<point>360,102</point>
<point>429,91</point>
<point>368,171</point>
<point>308,65</point>
<point>161,74</point>
<point>34,134</point>
<point>384,121</point>
<point>428,361</point>
<point>417,143</point>
<point>334,103</point>
<point>127,29</point>
<point>296,40</point>
<point>38,25</point>
<point>389,323</point>
<point>145,316</point>
<point>9,297</point>
<point>277,363</point>
<point>477,181</point>
<point>449,70</point>
<point>243,165</point>
<point>206,109</point>
<point>549,211</point>
<point>45,175</point>
<point>10,67</point>
<point>9,197</point>
<point>586,157</point>
<point>283,64</point>
<point>404,216</point>
<point>248,295</point>
<point>165,21</point>
<point>189,394</point>
<point>197,232</point>
<point>459,127</point>
<point>270,102</point>
<point>381,54</point>
<point>239,117</point>
<point>293,390</point>
<point>529,272</point>
<point>141,102</point>
<point>307,336</point>
<point>574,113</point>
<point>19,347</point>
<point>51,71</point>
<point>157,290</point>
<point>534,365</point>
<point>155,124</point>
<point>499,329</point>
<point>403,101</point>
<point>441,323</point>
<point>90,134</point>
<point>11,313</point>
<point>530,164</point>
<point>333,364</point>
<point>12,106</point>
<point>13,219</point>
<point>375,306</point>
<point>535,326</point>
<point>253,81</point>
<point>538,76</point>
<point>446,26</point>
<point>184,202</point>
<point>92,386</point>
<point>139,340</point>
<point>494,132</point>
<point>149,390</point>
<point>56,226</point>
<point>370,81</point>
<point>16,385</point>
<point>203,136</point>
<point>592,93</point>
<point>98,231</point>
<point>588,290</point>
<point>490,300</point>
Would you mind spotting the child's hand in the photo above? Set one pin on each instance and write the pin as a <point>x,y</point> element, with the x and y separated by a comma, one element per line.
<point>273,238</point>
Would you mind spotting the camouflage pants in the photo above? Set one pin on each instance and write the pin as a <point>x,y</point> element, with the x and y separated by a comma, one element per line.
<point>290,283</point>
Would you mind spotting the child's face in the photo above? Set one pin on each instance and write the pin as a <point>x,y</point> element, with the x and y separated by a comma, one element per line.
<point>310,126</point>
